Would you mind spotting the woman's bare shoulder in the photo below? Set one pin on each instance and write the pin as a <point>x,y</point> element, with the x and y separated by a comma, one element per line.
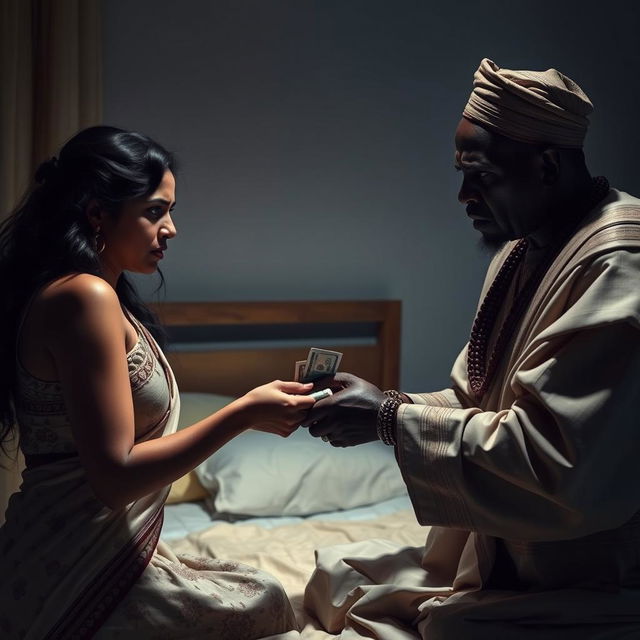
<point>77,294</point>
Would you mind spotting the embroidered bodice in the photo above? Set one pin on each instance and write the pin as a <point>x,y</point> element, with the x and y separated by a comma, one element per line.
<point>41,413</point>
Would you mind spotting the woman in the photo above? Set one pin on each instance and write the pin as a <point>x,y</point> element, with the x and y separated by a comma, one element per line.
<point>96,406</point>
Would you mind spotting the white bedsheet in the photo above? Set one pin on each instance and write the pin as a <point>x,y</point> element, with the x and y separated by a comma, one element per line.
<point>187,517</point>
<point>287,549</point>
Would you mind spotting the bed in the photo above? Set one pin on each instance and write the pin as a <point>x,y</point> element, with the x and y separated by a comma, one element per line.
<point>268,501</point>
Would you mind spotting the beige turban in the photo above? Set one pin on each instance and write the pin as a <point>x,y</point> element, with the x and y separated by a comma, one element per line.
<point>529,106</point>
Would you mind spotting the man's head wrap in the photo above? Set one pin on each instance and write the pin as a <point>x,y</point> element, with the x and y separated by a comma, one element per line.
<point>529,106</point>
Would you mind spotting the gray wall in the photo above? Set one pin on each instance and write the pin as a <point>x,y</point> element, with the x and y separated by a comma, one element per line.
<point>316,140</point>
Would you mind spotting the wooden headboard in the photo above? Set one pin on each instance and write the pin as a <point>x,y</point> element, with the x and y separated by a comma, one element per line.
<point>233,364</point>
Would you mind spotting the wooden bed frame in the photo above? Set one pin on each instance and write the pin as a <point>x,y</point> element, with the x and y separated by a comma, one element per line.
<point>233,371</point>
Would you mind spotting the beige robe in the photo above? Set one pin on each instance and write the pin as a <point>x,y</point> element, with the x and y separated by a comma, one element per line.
<point>534,487</point>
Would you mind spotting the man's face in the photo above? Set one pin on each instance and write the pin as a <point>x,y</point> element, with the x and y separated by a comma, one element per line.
<point>502,184</point>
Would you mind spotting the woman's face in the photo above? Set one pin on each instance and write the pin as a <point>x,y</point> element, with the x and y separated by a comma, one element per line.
<point>136,239</point>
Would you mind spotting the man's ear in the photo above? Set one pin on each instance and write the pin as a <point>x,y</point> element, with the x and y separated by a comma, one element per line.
<point>550,166</point>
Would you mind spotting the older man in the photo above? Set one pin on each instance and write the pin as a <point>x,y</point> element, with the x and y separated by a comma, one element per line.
<point>527,466</point>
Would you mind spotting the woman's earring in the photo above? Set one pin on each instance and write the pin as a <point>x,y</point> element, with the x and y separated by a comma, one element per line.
<point>98,242</point>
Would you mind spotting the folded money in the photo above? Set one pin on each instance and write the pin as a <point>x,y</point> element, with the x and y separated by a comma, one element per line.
<point>321,395</point>
<point>319,363</point>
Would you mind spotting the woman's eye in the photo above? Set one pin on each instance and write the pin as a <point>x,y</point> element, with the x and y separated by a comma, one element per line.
<point>155,212</point>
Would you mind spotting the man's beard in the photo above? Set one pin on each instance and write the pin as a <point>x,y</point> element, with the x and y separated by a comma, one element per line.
<point>492,243</point>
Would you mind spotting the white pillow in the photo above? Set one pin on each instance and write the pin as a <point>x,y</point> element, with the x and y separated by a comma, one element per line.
<point>196,406</point>
<point>261,474</point>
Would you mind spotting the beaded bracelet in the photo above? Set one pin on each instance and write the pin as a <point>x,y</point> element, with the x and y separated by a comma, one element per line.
<point>387,416</point>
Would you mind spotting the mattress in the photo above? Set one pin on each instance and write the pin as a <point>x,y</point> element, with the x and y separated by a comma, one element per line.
<point>188,517</point>
<point>285,546</point>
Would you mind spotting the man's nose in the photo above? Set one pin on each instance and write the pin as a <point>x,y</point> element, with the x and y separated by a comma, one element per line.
<point>467,193</point>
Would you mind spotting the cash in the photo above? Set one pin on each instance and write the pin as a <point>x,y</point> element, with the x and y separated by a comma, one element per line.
<point>319,363</point>
<point>298,370</point>
<point>321,395</point>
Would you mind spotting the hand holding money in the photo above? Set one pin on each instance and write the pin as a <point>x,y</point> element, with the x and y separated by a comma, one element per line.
<point>349,416</point>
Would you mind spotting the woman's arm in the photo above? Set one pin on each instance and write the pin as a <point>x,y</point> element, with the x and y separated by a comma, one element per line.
<point>86,337</point>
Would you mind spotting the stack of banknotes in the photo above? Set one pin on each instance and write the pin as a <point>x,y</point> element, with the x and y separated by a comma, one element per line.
<point>319,363</point>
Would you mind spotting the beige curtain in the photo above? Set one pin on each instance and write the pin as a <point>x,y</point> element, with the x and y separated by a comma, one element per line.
<point>50,87</point>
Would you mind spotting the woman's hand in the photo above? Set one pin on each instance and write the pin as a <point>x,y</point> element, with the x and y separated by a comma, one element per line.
<point>277,407</point>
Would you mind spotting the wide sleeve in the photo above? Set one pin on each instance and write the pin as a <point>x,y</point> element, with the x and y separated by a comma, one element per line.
<point>561,461</point>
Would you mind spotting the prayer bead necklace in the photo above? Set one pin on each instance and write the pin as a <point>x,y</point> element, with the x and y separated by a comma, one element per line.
<point>480,369</point>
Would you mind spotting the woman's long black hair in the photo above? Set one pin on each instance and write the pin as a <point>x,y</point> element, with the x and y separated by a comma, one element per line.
<point>48,235</point>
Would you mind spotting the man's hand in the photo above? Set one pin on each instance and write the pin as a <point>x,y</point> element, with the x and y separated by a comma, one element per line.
<point>349,416</point>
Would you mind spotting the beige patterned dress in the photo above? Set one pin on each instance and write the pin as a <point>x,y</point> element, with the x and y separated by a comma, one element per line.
<point>71,567</point>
